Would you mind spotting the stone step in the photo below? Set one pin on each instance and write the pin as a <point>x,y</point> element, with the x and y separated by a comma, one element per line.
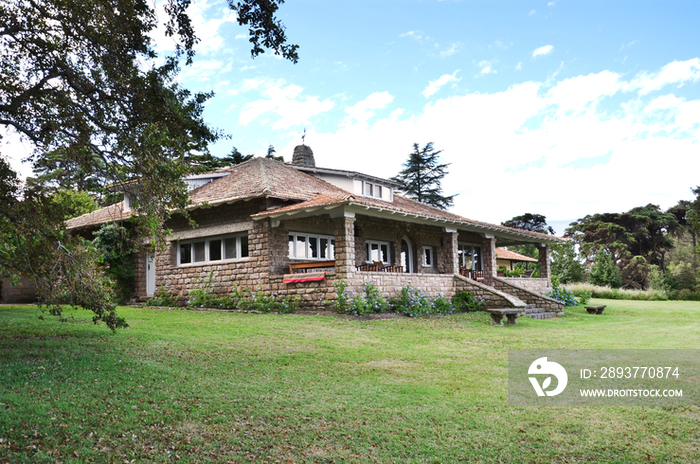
<point>540,315</point>
<point>533,310</point>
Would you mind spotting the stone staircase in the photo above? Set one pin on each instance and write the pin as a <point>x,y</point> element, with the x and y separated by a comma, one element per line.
<point>538,313</point>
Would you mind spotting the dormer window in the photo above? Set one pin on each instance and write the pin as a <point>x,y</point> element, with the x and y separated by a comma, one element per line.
<point>371,189</point>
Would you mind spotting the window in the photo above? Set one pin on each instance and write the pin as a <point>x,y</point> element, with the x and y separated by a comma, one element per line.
<point>378,251</point>
<point>211,250</point>
<point>469,256</point>
<point>306,246</point>
<point>372,190</point>
<point>427,256</point>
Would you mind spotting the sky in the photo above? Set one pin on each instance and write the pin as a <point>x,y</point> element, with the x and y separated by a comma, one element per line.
<point>557,108</point>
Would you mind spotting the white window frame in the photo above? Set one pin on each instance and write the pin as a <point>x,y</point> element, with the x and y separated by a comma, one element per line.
<point>428,252</point>
<point>207,240</point>
<point>377,190</point>
<point>292,251</point>
<point>379,244</point>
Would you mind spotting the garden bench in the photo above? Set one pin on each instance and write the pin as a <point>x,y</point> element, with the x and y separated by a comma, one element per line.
<point>498,314</point>
<point>595,309</point>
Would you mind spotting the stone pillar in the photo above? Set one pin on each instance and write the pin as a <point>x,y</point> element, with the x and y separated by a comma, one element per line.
<point>545,268</point>
<point>488,249</point>
<point>449,252</point>
<point>344,247</point>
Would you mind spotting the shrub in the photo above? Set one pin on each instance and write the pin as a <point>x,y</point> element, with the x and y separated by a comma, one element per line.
<point>564,295</point>
<point>466,302</point>
<point>162,297</point>
<point>370,301</point>
<point>584,298</point>
<point>618,293</point>
<point>202,296</point>
<point>413,303</point>
<point>604,272</point>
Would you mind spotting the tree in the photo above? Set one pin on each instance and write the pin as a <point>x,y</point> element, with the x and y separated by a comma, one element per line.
<point>80,80</point>
<point>271,154</point>
<point>531,222</point>
<point>604,272</point>
<point>422,175</point>
<point>566,264</point>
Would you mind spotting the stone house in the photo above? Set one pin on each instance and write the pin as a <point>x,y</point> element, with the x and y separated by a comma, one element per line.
<point>264,223</point>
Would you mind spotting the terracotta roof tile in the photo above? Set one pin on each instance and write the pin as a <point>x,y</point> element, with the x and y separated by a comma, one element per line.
<point>502,253</point>
<point>110,213</point>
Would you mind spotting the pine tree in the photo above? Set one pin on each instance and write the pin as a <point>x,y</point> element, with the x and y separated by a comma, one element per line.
<point>420,179</point>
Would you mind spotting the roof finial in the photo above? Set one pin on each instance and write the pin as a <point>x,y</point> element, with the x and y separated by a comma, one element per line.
<point>303,137</point>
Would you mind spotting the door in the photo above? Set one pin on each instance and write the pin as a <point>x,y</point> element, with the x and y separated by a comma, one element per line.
<point>150,275</point>
<point>406,255</point>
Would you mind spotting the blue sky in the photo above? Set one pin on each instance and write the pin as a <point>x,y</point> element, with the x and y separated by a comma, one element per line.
<point>558,108</point>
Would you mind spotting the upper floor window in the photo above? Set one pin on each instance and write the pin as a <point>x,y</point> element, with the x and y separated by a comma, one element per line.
<point>212,249</point>
<point>309,246</point>
<point>378,251</point>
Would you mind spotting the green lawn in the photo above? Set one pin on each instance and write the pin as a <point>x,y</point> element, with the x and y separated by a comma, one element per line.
<point>229,387</point>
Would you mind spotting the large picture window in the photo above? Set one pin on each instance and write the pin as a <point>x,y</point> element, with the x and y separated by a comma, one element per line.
<point>378,251</point>
<point>308,246</point>
<point>469,256</point>
<point>212,249</point>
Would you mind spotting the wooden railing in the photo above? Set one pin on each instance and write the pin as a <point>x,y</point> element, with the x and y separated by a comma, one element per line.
<point>472,274</point>
<point>305,266</point>
<point>378,267</point>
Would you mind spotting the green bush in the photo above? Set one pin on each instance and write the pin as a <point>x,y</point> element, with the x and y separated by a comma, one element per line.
<point>162,297</point>
<point>584,298</point>
<point>564,295</point>
<point>618,293</point>
<point>466,302</point>
<point>413,303</point>
<point>370,301</point>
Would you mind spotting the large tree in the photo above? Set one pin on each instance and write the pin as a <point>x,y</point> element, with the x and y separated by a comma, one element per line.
<point>634,240</point>
<point>533,223</point>
<point>422,176</point>
<point>81,81</point>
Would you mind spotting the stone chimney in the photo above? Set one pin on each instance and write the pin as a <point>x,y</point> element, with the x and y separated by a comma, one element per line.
<point>303,156</point>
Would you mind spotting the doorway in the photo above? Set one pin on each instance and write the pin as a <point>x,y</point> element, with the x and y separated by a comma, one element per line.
<point>407,255</point>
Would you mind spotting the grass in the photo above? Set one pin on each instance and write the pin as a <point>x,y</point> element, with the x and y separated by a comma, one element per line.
<point>616,293</point>
<point>230,387</point>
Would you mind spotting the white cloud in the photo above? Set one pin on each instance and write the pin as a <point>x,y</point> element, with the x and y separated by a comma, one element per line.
<point>436,85</point>
<point>532,12</point>
<point>486,67</point>
<point>542,141</point>
<point>362,111</point>
<point>412,34</point>
<point>542,51</point>
<point>454,48</point>
<point>284,101</point>
<point>676,72</point>
<point>519,66</point>
<point>627,45</point>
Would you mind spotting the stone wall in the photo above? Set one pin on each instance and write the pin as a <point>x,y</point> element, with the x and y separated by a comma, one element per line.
<point>312,295</point>
<point>532,298</point>
<point>494,298</point>
<point>391,283</point>
<point>538,285</point>
<point>23,293</point>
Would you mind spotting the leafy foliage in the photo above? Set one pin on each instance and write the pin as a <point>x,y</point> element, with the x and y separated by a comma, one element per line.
<point>162,297</point>
<point>370,301</point>
<point>413,303</point>
<point>531,222</point>
<point>116,245</point>
<point>564,295</point>
<point>466,302</point>
<point>604,272</point>
<point>566,264</point>
<point>422,175</point>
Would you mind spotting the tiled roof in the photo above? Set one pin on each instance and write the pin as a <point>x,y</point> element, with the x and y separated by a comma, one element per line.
<point>502,253</point>
<point>262,177</point>
<point>110,213</point>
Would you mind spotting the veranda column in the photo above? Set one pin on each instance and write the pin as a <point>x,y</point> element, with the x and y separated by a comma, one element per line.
<point>488,248</point>
<point>451,260</point>
<point>345,246</point>
<point>545,268</point>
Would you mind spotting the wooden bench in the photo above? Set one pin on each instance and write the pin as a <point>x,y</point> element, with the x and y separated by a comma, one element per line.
<point>595,309</point>
<point>305,266</point>
<point>510,313</point>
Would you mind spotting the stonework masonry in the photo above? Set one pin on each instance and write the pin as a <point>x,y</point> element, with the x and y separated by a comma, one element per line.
<point>25,292</point>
